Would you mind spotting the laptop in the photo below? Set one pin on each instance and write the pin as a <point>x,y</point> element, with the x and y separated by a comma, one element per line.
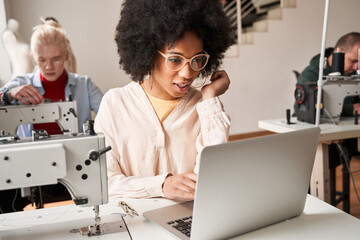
<point>243,186</point>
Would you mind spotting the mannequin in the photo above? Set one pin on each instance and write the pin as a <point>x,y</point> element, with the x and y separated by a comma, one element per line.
<point>18,51</point>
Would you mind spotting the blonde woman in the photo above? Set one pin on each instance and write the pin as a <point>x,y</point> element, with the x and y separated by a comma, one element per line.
<point>50,51</point>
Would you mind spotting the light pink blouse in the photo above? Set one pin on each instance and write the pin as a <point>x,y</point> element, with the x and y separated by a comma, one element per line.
<point>144,151</point>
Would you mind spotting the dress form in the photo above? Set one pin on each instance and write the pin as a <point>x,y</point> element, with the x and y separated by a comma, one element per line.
<point>18,51</point>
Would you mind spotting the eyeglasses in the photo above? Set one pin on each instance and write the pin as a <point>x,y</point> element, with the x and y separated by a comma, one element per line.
<point>175,62</point>
<point>57,61</point>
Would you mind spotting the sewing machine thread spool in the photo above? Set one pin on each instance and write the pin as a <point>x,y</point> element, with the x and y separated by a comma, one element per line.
<point>337,65</point>
<point>288,116</point>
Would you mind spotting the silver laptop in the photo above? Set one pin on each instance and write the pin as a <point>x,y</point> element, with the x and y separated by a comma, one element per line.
<point>245,185</point>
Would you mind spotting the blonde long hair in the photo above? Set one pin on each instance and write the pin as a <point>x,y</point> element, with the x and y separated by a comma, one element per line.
<point>52,32</point>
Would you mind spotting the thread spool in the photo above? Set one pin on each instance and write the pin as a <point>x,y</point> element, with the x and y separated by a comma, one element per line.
<point>288,116</point>
<point>337,65</point>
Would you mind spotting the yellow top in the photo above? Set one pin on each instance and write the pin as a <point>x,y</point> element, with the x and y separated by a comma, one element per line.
<point>162,107</point>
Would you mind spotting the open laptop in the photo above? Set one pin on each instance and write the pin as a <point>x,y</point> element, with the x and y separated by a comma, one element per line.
<point>245,185</point>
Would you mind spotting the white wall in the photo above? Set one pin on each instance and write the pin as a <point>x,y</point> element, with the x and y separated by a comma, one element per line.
<point>262,79</point>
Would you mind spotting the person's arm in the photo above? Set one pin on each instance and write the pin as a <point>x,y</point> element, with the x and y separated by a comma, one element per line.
<point>120,185</point>
<point>27,94</point>
<point>95,96</point>
<point>219,84</point>
<point>179,186</point>
<point>20,88</point>
<point>214,122</point>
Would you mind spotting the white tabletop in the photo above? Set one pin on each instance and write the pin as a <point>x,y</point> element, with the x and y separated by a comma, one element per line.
<point>345,129</point>
<point>319,221</point>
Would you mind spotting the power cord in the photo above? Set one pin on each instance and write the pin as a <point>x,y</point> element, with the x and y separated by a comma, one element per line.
<point>13,202</point>
<point>345,156</point>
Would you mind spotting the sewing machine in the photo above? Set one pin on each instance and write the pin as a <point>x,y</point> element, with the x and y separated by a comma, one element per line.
<point>64,113</point>
<point>76,160</point>
<point>336,89</point>
<point>12,116</point>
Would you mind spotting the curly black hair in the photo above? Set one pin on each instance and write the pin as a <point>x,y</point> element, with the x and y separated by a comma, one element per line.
<point>146,26</point>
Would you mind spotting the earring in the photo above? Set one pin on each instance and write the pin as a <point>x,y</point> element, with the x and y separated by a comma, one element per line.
<point>151,82</point>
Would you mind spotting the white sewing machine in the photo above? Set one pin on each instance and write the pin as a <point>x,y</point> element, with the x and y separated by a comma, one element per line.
<point>64,113</point>
<point>336,89</point>
<point>76,160</point>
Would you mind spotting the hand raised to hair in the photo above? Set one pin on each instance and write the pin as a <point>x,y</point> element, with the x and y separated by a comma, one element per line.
<point>26,94</point>
<point>219,84</point>
<point>180,186</point>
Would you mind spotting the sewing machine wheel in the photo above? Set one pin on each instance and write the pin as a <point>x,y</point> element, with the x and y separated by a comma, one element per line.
<point>299,95</point>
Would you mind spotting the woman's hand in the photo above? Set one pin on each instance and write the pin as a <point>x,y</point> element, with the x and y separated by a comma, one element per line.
<point>26,94</point>
<point>180,186</point>
<point>219,84</point>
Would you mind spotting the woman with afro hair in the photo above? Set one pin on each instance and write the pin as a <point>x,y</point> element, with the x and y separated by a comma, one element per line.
<point>158,124</point>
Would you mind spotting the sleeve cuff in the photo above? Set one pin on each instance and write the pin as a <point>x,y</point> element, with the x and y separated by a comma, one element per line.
<point>209,107</point>
<point>5,98</point>
<point>158,190</point>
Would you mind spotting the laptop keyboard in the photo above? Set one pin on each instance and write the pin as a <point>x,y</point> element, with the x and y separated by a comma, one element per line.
<point>183,225</point>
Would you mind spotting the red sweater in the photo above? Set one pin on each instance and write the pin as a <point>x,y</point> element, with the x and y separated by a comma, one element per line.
<point>55,91</point>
